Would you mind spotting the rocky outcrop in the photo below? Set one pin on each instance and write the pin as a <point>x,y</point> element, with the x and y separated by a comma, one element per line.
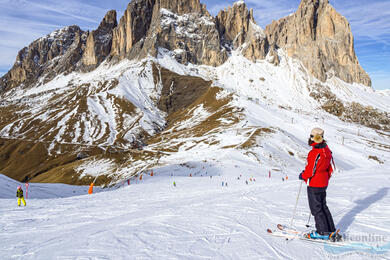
<point>58,52</point>
<point>350,111</point>
<point>184,27</point>
<point>321,38</point>
<point>132,27</point>
<point>99,42</point>
<point>234,23</point>
<point>181,7</point>
<point>256,46</point>
<point>192,37</point>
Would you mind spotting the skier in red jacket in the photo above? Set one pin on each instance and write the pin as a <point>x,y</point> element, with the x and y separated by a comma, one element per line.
<point>317,174</point>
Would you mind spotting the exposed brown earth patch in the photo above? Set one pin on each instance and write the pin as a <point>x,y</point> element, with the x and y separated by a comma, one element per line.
<point>350,112</point>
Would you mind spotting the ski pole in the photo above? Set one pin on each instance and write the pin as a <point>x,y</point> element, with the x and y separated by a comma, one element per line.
<point>296,204</point>
<point>308,221</point>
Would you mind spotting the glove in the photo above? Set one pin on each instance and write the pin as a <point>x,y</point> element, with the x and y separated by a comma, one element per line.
<point>300,176</point>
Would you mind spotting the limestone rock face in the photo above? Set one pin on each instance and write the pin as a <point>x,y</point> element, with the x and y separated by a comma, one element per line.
<point>51,55</point>
<point>181,7</point>
<point>321,38</point>
<point>234,23</point>
<point>193,37</point>
<point>132,27</point>
<point>184,27</point>
<point>99,42</point>
<point>187,29</point>
<point>256,45</point>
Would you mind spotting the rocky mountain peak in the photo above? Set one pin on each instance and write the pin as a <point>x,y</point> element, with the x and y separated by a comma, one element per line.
<point>184,27</point>
<point>56,53</point>
<point>99,42</point>
<point>306,3</point>
<point>322,39</point>
<point>109,21</point>
<point>132,27</point>
<point>181,7</point>
<point>315,34</point>
<point>233,23</point>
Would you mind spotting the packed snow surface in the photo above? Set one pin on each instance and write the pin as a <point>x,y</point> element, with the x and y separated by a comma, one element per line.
<point>197,219</point>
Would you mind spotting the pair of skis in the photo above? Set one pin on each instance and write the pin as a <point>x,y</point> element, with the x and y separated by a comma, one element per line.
<point>289,234</point>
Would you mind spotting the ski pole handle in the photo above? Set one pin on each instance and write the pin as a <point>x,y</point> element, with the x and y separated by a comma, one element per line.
<point>296,204</point>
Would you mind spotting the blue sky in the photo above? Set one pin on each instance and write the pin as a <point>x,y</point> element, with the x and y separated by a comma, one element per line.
<point>22,21</point>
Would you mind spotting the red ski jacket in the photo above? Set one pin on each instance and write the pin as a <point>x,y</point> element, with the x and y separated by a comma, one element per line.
<point>319,166</point>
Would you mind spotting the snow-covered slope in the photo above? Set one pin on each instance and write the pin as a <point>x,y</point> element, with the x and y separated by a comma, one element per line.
<point>276,98</point>
<point>198,219</point>
<point>254,119</point>
<point>260,111</point>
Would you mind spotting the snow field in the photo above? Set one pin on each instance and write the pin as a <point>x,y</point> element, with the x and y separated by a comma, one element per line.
<point>197,219</point>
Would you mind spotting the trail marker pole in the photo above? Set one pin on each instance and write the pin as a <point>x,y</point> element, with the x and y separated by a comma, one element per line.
<point>27,184</point>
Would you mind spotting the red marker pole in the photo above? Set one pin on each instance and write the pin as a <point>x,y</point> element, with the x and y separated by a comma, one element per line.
<point>27,189</point>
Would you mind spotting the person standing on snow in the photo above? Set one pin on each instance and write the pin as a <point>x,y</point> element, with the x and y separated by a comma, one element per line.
<point>19,195</point>
<point>317,174</point>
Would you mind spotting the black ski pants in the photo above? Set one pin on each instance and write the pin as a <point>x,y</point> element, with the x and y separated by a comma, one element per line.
<point>319,209</point>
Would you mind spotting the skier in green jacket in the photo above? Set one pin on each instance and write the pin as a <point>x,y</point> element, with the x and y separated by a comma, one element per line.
<point>19,195</point>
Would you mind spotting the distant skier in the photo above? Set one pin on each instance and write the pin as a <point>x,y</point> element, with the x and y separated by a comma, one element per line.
<point>317,174</point>
<point>19,195</point>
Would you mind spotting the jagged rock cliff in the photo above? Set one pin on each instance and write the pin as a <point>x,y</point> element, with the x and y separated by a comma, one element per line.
<point>99,42</point>
<point>48,56</point>
<point>132,27</point>
<point>315,34</point>
<point>181,26</point>
<point>322,39</point>
<point>234,23</point>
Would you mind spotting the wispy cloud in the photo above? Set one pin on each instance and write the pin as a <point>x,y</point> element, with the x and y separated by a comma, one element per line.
<point>367,18</point>
<point>72,9</point>
<point>370,24</point>
<point>22,21</point>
